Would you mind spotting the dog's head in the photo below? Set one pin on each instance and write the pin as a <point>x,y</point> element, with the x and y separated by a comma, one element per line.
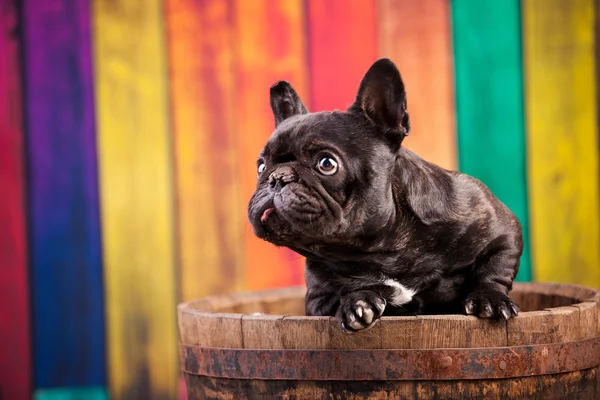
<point>325,178</point>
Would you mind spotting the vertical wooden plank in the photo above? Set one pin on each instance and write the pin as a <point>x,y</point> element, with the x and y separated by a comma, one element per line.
<point>137,198</point>
<point>15,365</point>
<point>66,264</point>
<point>269,46</point>
<point>557,325</point>
<point>489,103</point>
<point>210,221</point>
<point>560,88</point>
<point>342,45</point>
<point>416,36</point>
<point>455,331</point>
<point>71,394</point>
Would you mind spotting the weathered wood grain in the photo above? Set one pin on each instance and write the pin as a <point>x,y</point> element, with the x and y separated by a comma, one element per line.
<point>66,259</point>
<point>209,220</point>
<point>15,339</point>
<point>588,319</point>
<point>568,386</point>
<point>269,46</point>
<point>137,198</point>
<point>554,325</point>
<point>456,331</point>
<point>254,328</point>
<point>342,45</point>
<point>489,103</point>
<point>560,100</point>
<point>416,35</point>
<point>210,329</point>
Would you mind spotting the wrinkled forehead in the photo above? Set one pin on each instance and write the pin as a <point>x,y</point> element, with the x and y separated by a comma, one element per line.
<point>303,132</point>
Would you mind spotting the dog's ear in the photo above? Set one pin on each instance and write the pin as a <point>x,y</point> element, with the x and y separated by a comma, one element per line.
<point>381,96</point>
<point>285,102</point>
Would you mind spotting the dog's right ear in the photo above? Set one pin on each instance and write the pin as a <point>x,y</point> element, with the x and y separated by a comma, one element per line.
<point>285,102</point>
<point>382,98</point>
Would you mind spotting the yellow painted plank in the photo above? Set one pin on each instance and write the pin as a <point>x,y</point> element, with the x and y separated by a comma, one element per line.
<point>269,46</point>
<point>210,218</point>
<point>136,198</point>
<point>558,43</point>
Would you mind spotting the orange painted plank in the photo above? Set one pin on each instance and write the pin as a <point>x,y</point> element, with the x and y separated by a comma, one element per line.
<point>269,46</point>
<point>342,46</point>
<point>416,36</point>
<point>210,218</point>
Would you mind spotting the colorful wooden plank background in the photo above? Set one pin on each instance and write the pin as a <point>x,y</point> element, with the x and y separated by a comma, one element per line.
<point>204,134</point>
<point>136,182</point>
<point>66,264</point>
<point>563,145</point>
<point>489,103</point>
<point>15,364</point>
<point>416,35</point>
<point>342,45</point>
<point>267,49</point>
<point>129,132</point>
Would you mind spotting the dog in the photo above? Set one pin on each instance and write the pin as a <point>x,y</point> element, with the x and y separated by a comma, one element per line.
<point>384,232</point>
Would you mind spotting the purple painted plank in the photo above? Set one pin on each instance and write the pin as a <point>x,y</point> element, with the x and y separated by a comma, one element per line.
<point>68,311</point>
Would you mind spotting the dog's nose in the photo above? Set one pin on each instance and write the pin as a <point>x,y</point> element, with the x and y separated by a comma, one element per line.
<point>281,177</point>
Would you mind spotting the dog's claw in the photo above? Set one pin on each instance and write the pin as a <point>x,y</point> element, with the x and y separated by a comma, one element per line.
<point>469,307</point>
<point>490,304</point>
<point>514,309</point>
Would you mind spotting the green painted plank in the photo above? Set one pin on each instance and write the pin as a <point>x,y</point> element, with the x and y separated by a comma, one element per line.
<point>91,393</point>
<point>489,102</point>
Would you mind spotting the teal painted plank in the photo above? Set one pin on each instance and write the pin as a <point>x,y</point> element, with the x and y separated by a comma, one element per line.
<point>92,393</point>
<point>489,102</point>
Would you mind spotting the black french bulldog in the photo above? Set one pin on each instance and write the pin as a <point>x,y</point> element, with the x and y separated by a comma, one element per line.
<point>384,232</point>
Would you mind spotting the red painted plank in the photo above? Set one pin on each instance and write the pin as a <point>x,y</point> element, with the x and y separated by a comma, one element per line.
<point>342,43</point>
<point>15,366</point>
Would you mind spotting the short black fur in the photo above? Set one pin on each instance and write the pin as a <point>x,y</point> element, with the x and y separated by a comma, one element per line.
<point>387,232</point>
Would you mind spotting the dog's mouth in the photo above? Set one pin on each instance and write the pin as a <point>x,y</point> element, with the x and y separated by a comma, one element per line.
<point>266,213</point>
<point>262,218</point>
<point>295,213</point>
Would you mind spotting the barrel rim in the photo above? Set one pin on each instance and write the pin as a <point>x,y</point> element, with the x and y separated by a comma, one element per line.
<point>190,307</point>
<point>238,330</point>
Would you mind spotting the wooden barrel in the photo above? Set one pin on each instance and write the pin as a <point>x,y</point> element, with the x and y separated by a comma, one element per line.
<point>550,351</point>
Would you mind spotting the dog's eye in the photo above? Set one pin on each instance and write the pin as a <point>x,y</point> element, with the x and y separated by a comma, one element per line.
<point>261,168</point>
<point>327,166</point>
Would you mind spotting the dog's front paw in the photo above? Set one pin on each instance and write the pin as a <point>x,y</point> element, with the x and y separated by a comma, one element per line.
<point>490,304</point>
<point>359,310</point>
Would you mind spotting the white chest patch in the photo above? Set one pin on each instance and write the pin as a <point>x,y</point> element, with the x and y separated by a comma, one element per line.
<point>402,294</point>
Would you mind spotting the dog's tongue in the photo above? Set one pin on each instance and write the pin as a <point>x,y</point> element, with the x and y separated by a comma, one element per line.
<point>266,214</point>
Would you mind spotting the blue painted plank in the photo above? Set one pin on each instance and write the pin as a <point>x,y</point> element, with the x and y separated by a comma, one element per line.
<point>66,265</point>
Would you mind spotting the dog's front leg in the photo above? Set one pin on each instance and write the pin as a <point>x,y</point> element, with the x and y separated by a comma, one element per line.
<point>322,298</point>
<point>490,283</point>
